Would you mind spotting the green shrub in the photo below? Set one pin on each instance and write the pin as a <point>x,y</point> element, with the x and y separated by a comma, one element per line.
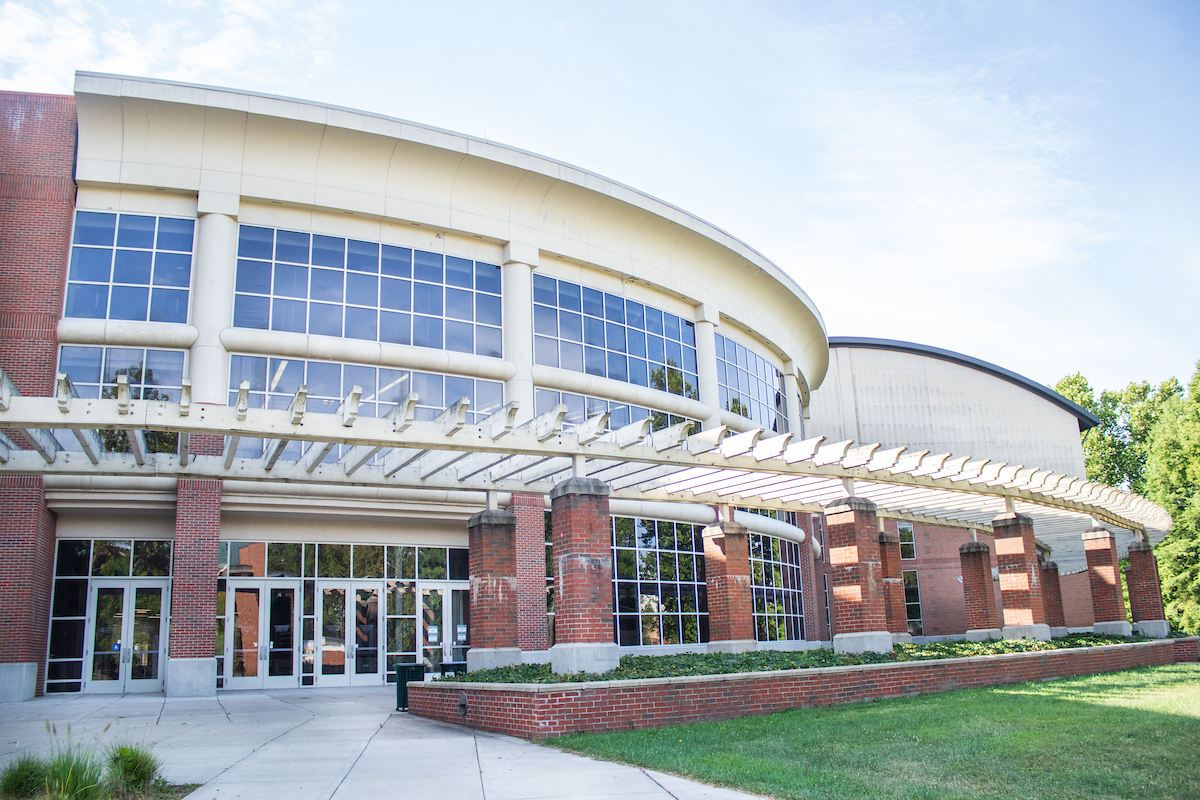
<point>24,777</point>
<point>74,774</point>
<point>132,768</point>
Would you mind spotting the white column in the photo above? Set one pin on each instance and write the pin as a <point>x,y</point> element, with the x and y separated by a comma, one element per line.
<point>517,277</point>
<point>791,394</point>
<point>213,273</point>
<point>706,361</point>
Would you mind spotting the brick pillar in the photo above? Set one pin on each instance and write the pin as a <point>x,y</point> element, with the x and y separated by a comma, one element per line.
<point>856,578</point>
<point>813,597</point>
<point>1104,578</point>
<point>192,668</point>
<point>730,599</point>
<point>1145,592</point>
<point>27,528</point>
<point>582,549</point>
<point>1052,600</point>
<point>491,536</point>
<point>1024,615</point>
<point>982,621</point>
<point>530,546</point>
<point>893,586</point>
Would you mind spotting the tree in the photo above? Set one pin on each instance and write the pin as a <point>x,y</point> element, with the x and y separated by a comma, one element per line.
<point>1148,442</point>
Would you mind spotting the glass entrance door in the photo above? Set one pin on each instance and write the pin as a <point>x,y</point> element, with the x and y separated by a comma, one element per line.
<point>445,624</point>
<point>261,647</point>
<point>348,643</point>
<point>125,636</point>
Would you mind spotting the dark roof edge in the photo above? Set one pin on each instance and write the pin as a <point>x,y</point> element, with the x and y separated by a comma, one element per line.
<point>1086,418</point>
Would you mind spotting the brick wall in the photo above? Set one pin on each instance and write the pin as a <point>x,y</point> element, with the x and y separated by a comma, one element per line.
<point>493,567</point>
<point>536,712</point>
<point>582,562</point>
<point>1020,575</point>
<point>1052,595</point>
<point>979,600</point>
<point>194,567</point>
<point>1077,599</point>
<point>893,584</point>
<point>811,586</point>
<point>27,529</point>
<point>530,545</point>
<point>727,573</point>
<point>37,198</point>
<point>939,570</point>
<point>1145,588</point>
<point>856,577</point>
<point>1104,575</point>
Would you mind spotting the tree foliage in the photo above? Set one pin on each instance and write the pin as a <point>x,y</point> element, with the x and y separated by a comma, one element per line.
<point>1148,442</point>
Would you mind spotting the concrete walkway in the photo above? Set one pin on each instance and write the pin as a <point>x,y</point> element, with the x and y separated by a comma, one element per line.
<point>329,743</point>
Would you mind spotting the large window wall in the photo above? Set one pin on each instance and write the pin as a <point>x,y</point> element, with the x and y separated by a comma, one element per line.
<point>749,386</point>
<point>330,286</point>
<point>130,267</point>
<point>660,596</point>
<point>585,330</point>
<point>775,580</point>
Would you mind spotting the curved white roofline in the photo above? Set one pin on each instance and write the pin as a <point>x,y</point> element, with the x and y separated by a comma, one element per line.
<point>367,122</point>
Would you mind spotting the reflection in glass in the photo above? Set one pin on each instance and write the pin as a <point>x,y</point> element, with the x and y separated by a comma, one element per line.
<point>431,628</point>
<point>111,558</point>
<point>432,563</point>
<point>368,561</point>
<point>247,559</point>
<point>366,631</point>
<point>283,560</point>
<point>283,612</point>
<point>72,557</point>
<point>245,632</point>
<point>106,643</point>
<point>147,628</point>
<point>152,559</point>
<point>333,561</point>
<point>333,628</point>
<point>402,562</point>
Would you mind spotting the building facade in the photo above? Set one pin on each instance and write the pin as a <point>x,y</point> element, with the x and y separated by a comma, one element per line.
<point>292,319</point>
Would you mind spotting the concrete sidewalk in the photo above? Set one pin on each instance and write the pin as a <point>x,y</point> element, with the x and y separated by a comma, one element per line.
<point>329,743</point>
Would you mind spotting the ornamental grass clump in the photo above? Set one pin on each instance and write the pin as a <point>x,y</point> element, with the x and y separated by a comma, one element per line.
<point>131,769</point>
<point>73,772</point>
<point>24,777</point>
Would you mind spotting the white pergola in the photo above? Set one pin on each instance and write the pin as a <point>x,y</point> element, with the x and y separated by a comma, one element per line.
<point>712,467</point>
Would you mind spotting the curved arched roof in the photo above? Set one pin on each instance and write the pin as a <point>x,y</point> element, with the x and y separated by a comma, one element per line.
<point>1086,418</point>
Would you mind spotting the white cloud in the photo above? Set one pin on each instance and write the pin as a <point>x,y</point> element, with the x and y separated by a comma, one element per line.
<point>245,43</point>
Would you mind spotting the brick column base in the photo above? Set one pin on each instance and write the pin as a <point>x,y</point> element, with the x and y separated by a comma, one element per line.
<point>856,578</point>
<point>730,598</point>
<point>192,665</point>
<point>1024,614</point>
<point>491,537</point>
<point>1052,600</point>
<point>583,614</point>
<point>1104,577</point>
<point>893,587</point>
<point>1145,592</point>
<point>982,621</point>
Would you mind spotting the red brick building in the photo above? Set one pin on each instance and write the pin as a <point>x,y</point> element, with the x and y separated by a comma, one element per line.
<point>294,396</point>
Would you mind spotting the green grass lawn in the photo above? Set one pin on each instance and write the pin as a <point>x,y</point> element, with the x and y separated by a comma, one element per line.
<point>1121,735</point>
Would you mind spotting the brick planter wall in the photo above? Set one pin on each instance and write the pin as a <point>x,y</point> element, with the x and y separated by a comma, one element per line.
<point>534,711</point>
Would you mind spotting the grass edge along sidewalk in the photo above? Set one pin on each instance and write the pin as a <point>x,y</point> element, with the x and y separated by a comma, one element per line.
<point>1128,734</point>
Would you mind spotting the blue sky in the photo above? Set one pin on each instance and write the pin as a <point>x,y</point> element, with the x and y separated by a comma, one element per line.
<point>1016,181</point>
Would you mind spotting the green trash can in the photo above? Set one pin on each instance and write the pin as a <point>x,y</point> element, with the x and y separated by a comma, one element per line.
<point>404,674</point>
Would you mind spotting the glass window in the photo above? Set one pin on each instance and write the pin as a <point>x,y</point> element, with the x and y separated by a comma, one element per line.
<point>912,602</point>
<point>776,585</point>
<point>119,277</point>
<point>750,387</point>
<point>658,583</point>
<point>908,547</point>
<point>324,285</point>
<point>579,408</point>
<point>611,328</point>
